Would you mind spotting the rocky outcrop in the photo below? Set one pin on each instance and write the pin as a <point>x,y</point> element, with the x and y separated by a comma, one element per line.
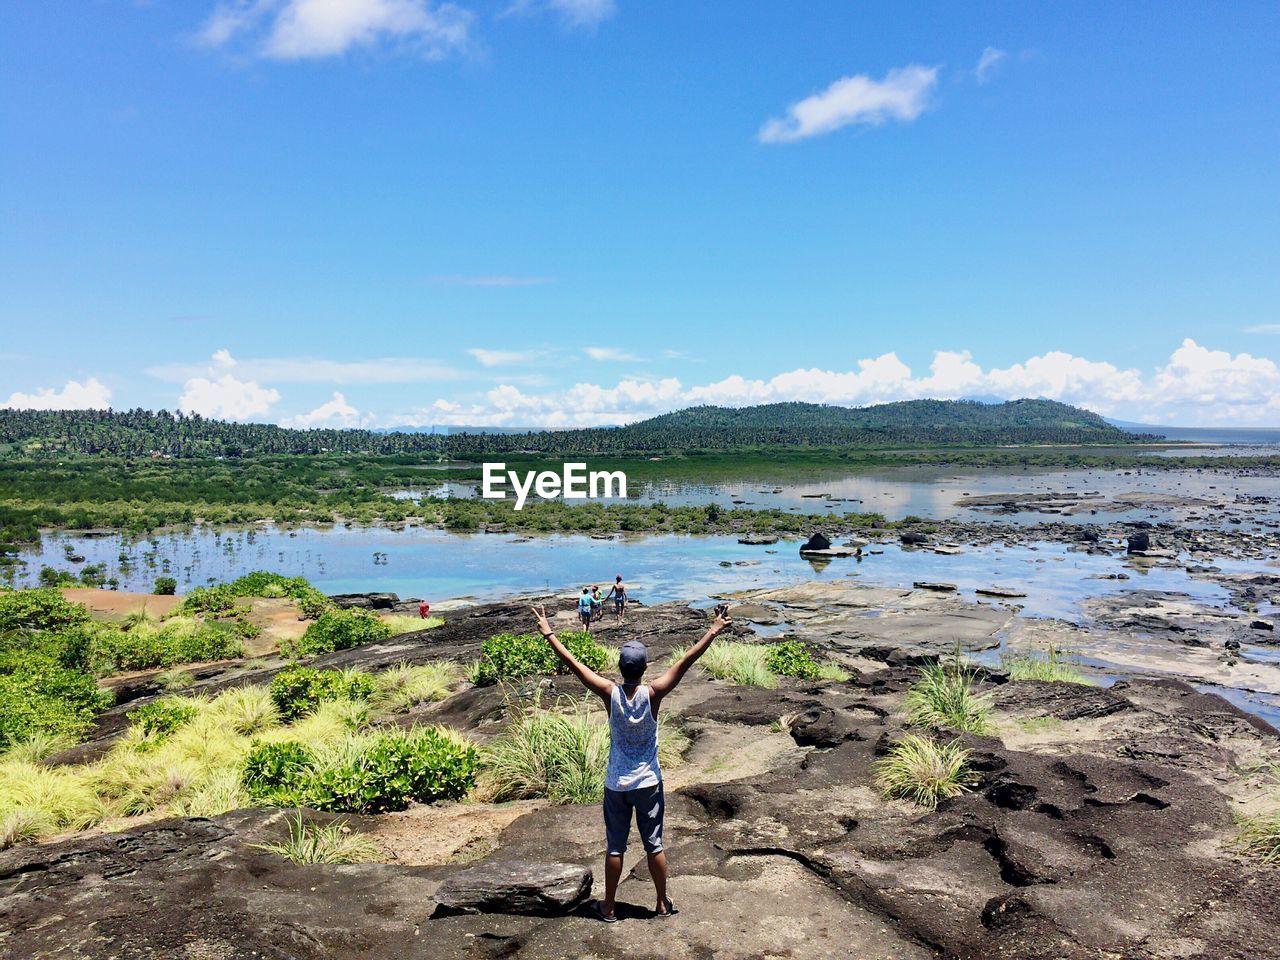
<point>366,601</point>
<point>515,886</point>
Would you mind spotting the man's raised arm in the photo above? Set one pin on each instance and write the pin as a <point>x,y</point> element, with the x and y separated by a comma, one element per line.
<point>667,682</point>
<point>597,684</point>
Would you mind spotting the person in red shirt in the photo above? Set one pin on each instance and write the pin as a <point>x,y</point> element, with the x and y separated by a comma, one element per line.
<point>424,609</point>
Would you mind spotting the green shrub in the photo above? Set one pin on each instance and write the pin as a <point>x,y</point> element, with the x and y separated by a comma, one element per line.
<point>510,656</point>
<point>297,691</point>
<point>218,600</point>
<point>923,771</point>
<point>341,630</point>
<point>365,774</point>
<point>40,696</point>
<point>165,586</point>
<point>261,583</point>
<point>943,698</point>
<point>395,769</point>
<point>159,718</point>
<point>791,658</point>
<point>147,645</point>
<point>277,774</point>
<point>42,609</point>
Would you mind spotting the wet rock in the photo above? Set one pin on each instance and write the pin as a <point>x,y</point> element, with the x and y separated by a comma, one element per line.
<point>818,541</point>
<point>913,539</point>
<point>515,886</point>
<point>1138,542</point>
<point>1003,592</point>
<point>935,586</point>
<point>1262,625</point>
<point>758,540</point>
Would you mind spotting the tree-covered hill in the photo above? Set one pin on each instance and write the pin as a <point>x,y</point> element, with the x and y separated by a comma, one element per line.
<point>911,423</point>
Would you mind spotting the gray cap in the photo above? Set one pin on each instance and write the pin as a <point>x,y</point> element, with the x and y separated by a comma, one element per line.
<point>633,658</point>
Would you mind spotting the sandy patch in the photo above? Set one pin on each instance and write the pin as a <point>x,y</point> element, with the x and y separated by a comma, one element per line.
<point>450,833</point>
<point>116,605</point>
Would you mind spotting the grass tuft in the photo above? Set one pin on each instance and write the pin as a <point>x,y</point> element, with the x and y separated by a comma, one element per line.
<point>943,698</point>
<point>332,843</point>
<point>737,662</point>
<point>1052,667</point>
<point>559,755</point>
<point>401,623</point>
<point>403,687</point>
<point>1259,835</point>
<point>923,771</point>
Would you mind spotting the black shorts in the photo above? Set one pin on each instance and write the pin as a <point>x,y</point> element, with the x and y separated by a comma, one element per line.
<point>649,804</point>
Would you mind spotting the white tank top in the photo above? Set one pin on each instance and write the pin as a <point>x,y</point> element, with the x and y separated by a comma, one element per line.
<point>633,741</point>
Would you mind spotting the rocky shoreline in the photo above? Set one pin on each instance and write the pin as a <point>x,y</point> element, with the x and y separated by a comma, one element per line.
<point>1101,823</point>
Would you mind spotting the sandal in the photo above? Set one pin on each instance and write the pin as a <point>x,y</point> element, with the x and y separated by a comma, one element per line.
<point>671,908</point>
<point>597,910</point>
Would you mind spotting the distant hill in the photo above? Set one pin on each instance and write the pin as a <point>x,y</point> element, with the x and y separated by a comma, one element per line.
<point>908,423</point>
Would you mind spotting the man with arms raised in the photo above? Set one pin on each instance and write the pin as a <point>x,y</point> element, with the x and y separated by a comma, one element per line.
<point>633,780</point>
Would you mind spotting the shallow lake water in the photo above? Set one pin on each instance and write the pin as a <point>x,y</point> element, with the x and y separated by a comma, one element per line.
<point>942,492</point>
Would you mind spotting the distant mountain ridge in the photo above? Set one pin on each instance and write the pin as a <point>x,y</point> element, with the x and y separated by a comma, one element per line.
<point>906,423</point>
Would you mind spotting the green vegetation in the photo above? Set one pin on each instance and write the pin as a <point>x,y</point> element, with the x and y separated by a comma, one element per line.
<point>42,609</point>
<point>943,698</point>
<point>793,658</point>
<point>511,656</point>
<point>341,630</point>
<point>165,586</point>
<point>1054,666</point>
<point>39,696</point>
<point>559,754</point>
<point>363,773</point>
<point>332,843</point>
<point>195,756</point>
<point>298,691</point>
<point>143,643</point>
<point>761,664</point>
<point>159,718</point>
<point>923,771</point>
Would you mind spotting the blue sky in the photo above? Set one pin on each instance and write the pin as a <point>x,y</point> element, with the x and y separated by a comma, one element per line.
<point>583,211</point>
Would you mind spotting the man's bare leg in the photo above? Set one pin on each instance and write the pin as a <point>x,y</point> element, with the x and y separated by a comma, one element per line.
<point>658,870</point>
<point>612,874</point>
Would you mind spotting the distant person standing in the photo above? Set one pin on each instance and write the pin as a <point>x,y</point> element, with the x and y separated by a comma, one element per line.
<point>597,604</point>
<point>424,609</point>
<point>619,594</point>
<point>585,608</point>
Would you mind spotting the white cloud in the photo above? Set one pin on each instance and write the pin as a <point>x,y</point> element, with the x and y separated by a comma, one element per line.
<point>575,13</point>
<point>902,95</point>
<point>486,280</point>
<point>336,412</point>
<point>219,394</point>
<point>309,29</point>
<point>609,354</point>
<point>504,358</point>
<point>988,63</point>
<point>1263,328</point>
<point>314,370</point>
<point>1198,386</point>
<point>90,395</point>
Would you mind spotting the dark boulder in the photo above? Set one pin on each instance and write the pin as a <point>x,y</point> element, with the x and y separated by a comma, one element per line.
<point>366,601</point>
<point>913,539</point>
<point>1139,542</point>
<point>515,886</point>
<point>1262,625</point>
<point>817,542</point>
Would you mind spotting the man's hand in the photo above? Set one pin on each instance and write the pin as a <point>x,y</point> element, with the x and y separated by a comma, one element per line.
<point>540,614</point>
<point>721,621</point>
